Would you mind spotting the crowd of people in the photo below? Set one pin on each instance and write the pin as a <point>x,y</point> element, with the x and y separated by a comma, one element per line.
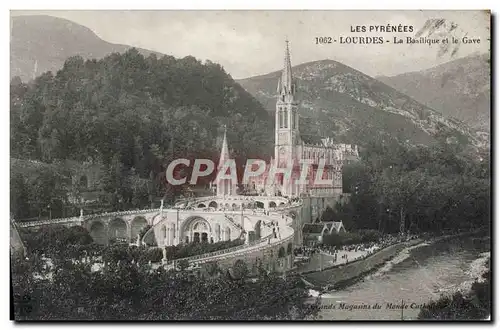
<point>306,251</point>
<point>352,252</point>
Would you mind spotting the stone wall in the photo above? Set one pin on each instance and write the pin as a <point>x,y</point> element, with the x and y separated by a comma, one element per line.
<point>338,275</point>
<point>312,209</point>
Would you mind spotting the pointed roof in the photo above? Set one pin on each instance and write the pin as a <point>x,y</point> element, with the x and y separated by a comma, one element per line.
<point>313,228</point>
<point>286,75</point>
<point>224,153</point>
<point>285,83</point>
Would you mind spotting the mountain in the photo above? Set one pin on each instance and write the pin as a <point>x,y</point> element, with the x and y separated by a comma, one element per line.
<point>42,43</point>
<point>135,110</point>
<point>341,102</point>
<point>460,89</point>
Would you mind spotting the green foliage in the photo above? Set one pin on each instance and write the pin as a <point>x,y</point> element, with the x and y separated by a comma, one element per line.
<point>347,238</point>
<point>37,187</point>
<point>424,188</point>
<point>342,238</point>
<point>369,235</point>
<point>328,215</point>
<point>53,240</point>
<point>134,115</point>
<point>115,253</point>
<point>212,268</point>
<point>126,288</point>
<point>193,249</point>
<point>127,291</point>
<point>155,254</point>
<point>139,111</point>
<point>239,270</point>
<point>183,264</point>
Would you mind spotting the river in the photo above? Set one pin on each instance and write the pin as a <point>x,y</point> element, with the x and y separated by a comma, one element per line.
<point>413,277</point>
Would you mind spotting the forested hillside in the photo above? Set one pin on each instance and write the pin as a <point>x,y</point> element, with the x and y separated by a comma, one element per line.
<point>139,109</point>
<point>134,115</point>
<point>435,188</point>
<point>351,107</point>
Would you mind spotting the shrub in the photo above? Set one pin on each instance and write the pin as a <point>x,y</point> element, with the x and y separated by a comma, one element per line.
<point>340,239</point>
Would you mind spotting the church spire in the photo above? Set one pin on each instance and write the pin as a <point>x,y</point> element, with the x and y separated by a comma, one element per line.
<point>224,153</point>
<point>286,82</point>
<point>226,186</point>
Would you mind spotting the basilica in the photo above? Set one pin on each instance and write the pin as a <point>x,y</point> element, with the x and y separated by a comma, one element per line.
<point>322,176</point>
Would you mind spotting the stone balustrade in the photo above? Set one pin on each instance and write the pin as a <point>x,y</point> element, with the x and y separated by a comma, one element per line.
<point>258,245</point>
<point>227,251</point>
<point>242,251</point>
<point>85,217</point>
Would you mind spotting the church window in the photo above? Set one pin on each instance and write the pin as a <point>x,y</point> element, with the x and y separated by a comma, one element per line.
<point>286,119</point>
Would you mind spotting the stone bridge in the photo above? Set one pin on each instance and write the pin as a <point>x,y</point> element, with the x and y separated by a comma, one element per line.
<point>268,229</point>
<point>105,227</point>
<point>267,224</point>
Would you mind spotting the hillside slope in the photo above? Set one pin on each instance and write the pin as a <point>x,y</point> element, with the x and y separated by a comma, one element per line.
<point>339,101</point>
<point>42,43</point>
<point>460,89</point>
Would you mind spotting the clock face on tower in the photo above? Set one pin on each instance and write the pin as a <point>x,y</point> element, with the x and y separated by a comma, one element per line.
<point>282,151</point>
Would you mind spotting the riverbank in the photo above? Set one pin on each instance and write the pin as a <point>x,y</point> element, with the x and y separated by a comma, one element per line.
<point>476,271</point>
<point>341,276</point>
<point>416,275</point>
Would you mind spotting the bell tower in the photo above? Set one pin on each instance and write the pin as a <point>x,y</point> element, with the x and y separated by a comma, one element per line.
<point>287,119</point>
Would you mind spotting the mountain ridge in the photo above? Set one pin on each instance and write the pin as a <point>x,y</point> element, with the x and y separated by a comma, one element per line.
<point>336,99</point>
<point>41,43</point>
<point>346,95</point>
<point>460,88</point>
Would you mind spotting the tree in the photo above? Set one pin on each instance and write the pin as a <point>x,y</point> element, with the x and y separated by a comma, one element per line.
<point>112,111</point>
<point>399,189</point>
<point>183,264</point>
<point>213,268</point>
<point>239,270</point>
<point>328,215</point>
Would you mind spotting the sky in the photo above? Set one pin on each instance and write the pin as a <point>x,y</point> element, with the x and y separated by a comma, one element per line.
<point>250,43</point>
